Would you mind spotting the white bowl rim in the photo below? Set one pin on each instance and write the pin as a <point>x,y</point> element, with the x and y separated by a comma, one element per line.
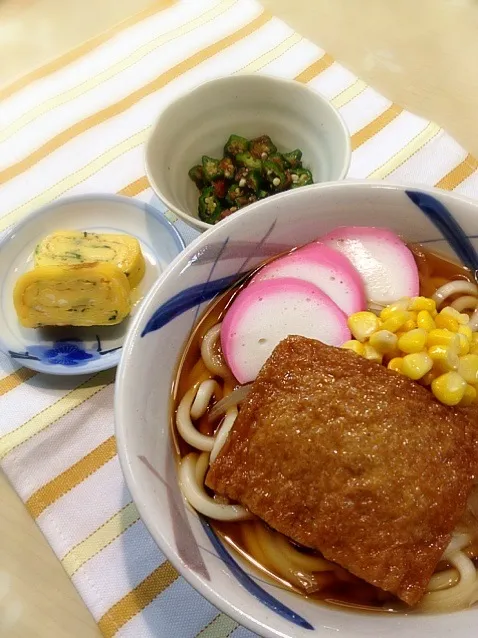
<point>113,360</point>
<point>196,222</point>
<point>121,381</point>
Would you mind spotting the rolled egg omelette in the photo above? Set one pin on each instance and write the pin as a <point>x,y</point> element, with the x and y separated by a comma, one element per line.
<point>73,247</point>
<point>95,294</point>
<point>80,278</point>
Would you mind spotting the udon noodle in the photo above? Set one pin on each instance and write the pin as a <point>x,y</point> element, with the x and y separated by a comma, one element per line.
<point>207,398</point>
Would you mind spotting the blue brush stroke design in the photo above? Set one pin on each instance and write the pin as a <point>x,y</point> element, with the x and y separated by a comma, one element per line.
<point>65,352</point>
<point>198,294</point>
<point>211,272</point>
<point>187,299</point>
<point>251,586</point>
<point>443,220</point>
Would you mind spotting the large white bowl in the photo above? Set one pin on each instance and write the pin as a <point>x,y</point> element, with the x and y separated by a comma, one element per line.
<point>200,122</point>
<point>143,402</point>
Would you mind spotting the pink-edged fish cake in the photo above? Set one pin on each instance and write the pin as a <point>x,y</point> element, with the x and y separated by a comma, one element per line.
<point>384,262</point>
<point>324,267</point>
<point>266,312</point>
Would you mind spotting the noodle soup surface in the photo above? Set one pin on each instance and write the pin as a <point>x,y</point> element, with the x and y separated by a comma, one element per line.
<point>272,555</point>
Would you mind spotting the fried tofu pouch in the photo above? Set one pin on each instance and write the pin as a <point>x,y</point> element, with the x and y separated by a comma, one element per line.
<point>95,294</point>
<point>351,459</point>
<point>74,247</point>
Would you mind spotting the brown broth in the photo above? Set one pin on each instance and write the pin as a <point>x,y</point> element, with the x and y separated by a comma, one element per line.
<point>338,586</point>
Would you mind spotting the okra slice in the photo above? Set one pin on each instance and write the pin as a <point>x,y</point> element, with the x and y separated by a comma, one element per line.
<point>227,167</point>
<point>275,177</point>
<point>253,181</point>
<point>211,168</point>
<point>278,159</point>
<point>241,176</point>
<point>247,160</point>
<point>235,145</point>
<point>301,177</point>
<point>209,207</point>
<point>196,173</point>
<point>233,193</point>
<point>293,159</point>
<point>245,200</point>
<point>262,147</point>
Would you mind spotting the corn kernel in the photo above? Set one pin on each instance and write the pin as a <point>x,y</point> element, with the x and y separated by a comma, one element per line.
<point>446,358</point>
<point>383,341</point>
<point>469,397</point>
<point>395,364</point>
<point>422,304</point>
<point>468,368</point>
<point>413,341</point>
<point>396,320</point>
<point>447,322</point>
<point>466,330</point>
<point>371,354</point>
<point>461,317</point>
<point>442,337</point>
<point>416,365</point>
<point>425,320</point>
<point>464,347</point>
<point>411,324</point>
<point>401,304</point>
<point>363,324</point>
<point>474,343</point>
<point>449,388</point>
<point>354,345</point>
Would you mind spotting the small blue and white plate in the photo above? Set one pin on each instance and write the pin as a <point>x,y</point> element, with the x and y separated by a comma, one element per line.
<point>73,350</point>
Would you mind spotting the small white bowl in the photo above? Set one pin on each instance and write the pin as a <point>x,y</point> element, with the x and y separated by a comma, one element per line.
<point>445,222</point>
<point>74,350</point>
<point>200,122</point>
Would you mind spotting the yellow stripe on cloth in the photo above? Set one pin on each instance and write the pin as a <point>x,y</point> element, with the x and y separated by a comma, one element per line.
<point>128,101</point>
<point>374,127</point>
<point>458,175</point>
<point>137,599</point>
<point>70,478</point>
<point>76,178</point>
<point>348,94</point>
<point>408,151</point>
<point>135,140</point>
<point>15,379</point>
<point>50,415</point>
<point>221,627</point>
<point>83,49</point>
<point>114,70</point>
<point>315,68</point>
<point>99,539</point>
<point>273,54</point>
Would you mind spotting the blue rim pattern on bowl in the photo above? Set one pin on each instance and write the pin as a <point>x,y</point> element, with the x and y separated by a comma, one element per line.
<point>194,296</point>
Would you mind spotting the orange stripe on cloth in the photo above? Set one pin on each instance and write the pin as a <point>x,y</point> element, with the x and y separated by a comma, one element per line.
<point>458,175</point>
<point>136,187</point>
<point>15,379</point>
<point>70,478</point>
<point>137,599</point>
<point>374,127</point>
<point>315,68</point>
<point>82,49</point>
<point>127,102</point>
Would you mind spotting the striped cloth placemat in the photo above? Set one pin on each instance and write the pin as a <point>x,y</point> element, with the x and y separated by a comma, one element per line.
<point>78,125</point>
